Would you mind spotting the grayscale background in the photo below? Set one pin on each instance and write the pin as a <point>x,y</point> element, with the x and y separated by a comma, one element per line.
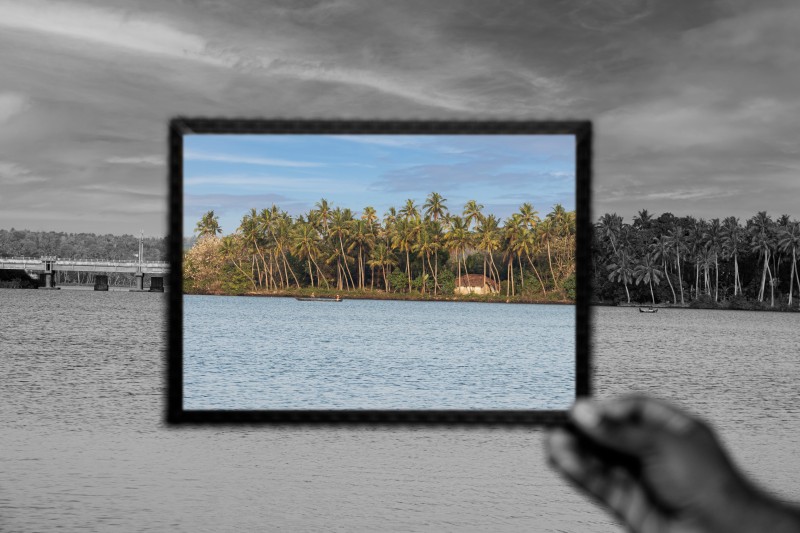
<point>695,109</point>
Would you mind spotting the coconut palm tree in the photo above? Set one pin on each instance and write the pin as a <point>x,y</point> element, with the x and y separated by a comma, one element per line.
<point>487,239</point>
<point>381,257</point>
<point>249,229</point>
<point>231,249</point>
<point>712,237</point>
<point>789,239</point>
<point>425,246</point>
<point>306,245</point>
<point>531,244</point>
<point>435,206</point>
<point>528,215</point>
<point>473,211</point>
<point>608,229</point>
<point>340,227</point>
<point>676,243</point>
<point>662,250</point>
<point>404,234</point>
<point>761,241</point>
<point>731,244</point>
<point>642,220</point>
<point>360,237</point>
<point>457,239</point>
<point>323,211</point>
<point>621,271</point>
<point>208,225</point>
<point>409,210</point>
<point>647,271</point>
<point>548,230</point>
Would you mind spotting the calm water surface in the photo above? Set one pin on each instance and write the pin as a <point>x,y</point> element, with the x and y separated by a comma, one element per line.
<point>83,447</point>
<point>281,353</point>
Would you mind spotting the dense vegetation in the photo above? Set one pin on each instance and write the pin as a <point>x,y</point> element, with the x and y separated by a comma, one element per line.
<point>416,250</point>
<point>424,250</point>
<point>695,262</point>
<point>25,243</point>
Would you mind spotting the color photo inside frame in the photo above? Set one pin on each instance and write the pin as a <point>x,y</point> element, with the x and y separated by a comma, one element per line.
<point>379,271</point>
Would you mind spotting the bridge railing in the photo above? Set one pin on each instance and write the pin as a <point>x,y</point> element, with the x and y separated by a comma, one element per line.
<point>61,260</point>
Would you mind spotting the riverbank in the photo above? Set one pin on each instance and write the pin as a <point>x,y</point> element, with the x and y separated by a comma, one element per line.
<point>738,304</point>
<point>416,297</point>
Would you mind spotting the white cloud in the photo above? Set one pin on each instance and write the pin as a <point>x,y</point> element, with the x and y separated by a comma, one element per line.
<point>152,160</point>
<point>12,104</point>
<point>13,174</point>
<point>191,155</point>
<point>105,27</point>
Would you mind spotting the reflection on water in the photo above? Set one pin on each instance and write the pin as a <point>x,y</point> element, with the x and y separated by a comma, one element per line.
<point>280,353</point>
<point>83,447</point>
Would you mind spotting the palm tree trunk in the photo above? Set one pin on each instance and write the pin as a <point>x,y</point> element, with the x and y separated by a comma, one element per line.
<point>344,258</point>
<point>652,294</point>
<point>540,277</point>
<point>716,275</point>
<point>771,288</point>
<point>422,277</point>
<point>763,276</point>
<point>697,280</point>
<point>628,294</point>
<point>680,279</point>
<point>550,262</point>
<point>666,275</point>
<point>511,279</point>
<point>521,273</point>
<point>791,277</point>
<point>319,273</point>
<point>434,273</point>
<point>735,276</point>
<point>408,269</point>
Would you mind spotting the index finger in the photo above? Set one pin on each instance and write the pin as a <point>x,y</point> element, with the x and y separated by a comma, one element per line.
<point>636,418</point>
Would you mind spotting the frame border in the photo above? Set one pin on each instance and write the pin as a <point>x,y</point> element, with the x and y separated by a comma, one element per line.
<point>180,126</point>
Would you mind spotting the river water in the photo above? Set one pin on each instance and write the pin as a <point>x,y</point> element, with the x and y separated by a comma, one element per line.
<point>83,446</point>
<point>281,353</point>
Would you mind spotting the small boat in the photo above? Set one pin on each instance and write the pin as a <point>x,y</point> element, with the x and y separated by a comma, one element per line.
<point>649,310</point>
<point>317,299</point>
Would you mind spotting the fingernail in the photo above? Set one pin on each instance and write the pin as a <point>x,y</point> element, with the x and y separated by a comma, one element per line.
<point>585,414</point>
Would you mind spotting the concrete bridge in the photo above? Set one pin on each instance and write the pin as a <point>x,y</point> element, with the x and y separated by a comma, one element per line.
<point>49,265</point>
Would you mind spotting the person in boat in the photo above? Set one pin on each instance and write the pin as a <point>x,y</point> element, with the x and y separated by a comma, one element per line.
<point>659,469</point>
<point>313,295</point>
<point>337,297</point>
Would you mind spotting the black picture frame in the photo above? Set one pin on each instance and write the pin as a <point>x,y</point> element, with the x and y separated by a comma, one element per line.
<point>180,126</point>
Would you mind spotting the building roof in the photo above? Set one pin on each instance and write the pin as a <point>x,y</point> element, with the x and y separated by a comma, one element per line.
<point>476,280</point>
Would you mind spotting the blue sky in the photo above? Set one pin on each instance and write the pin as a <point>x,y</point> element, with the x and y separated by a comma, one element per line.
<point>233,173</point>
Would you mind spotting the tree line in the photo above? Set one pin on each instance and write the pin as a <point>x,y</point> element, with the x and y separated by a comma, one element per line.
<point>697,262</point>
<point>417,249</point>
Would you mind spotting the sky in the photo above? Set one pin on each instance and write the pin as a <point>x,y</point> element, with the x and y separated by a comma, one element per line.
<point>695,105</point>
<point>230,174</point>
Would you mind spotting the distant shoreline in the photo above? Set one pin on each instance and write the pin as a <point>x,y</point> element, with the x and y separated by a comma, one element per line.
<point>394,297</point>
<point>719,306</point>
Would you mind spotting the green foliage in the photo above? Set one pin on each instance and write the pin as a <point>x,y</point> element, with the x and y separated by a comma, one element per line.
<point>25,243</point>
<point>447,282</point>
<point>398,281</point>
<point>417,283</point>
<point>569,286</point>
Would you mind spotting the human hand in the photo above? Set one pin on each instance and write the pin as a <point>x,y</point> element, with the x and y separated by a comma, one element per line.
<point>660,470</point>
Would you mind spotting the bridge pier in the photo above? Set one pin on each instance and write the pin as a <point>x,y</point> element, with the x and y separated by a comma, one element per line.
<point>49,272</point>
<point>139,280</point>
